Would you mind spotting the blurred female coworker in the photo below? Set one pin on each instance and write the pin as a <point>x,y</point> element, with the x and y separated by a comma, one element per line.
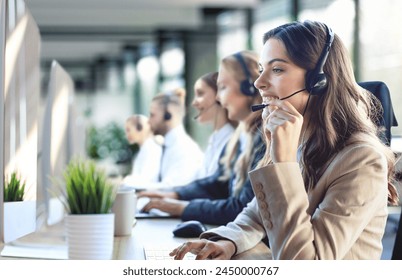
<point>210,111</point>
<point>145,167</point>
<point>322,187</point>
<point>217,200</point>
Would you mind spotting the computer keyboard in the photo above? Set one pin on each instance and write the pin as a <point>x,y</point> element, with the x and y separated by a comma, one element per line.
<point>160,254</point>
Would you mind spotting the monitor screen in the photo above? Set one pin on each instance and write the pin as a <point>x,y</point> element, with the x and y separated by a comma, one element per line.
<point>55,139</point>
<point>20,87</point>
<point>2,62</point>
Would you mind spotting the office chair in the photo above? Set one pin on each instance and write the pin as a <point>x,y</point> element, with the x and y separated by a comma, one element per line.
<point>381,91</point>
<point>397,251</point>
<point>388,119</point>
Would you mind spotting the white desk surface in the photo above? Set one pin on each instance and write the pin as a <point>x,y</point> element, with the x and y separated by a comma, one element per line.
<point>146,232</point>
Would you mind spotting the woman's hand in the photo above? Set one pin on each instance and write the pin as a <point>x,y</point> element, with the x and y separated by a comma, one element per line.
<point>172,206</point>
<point>284,124</point>
<point>158,194</point>
<point>205,249</point>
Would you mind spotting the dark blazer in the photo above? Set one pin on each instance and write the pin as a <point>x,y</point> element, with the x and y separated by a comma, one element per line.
<point>213,201</point>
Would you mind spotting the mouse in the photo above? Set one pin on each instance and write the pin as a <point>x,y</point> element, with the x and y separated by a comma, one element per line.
<point>189,229</point>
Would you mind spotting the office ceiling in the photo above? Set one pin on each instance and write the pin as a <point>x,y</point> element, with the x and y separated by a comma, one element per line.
<point>79,30</point>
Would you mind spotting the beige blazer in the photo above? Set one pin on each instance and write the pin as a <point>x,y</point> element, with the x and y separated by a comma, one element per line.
<point>343,217</point>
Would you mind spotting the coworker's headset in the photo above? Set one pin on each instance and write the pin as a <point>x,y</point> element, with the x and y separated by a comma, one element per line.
<point>315,80</point>
<point>138,124</point>
<point>246,86</point>
<point>166,115</point>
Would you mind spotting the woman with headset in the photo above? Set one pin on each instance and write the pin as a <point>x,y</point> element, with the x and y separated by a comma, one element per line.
<point>145,168</point>
<point>210,111</point>
<point>323,186</point>
<point>219,198</point>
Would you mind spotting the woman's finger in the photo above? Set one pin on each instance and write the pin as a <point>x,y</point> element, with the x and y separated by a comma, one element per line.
<point>206,252</point>
<point>186,248</point>
<point>153,203</point>
<point>284,105</point>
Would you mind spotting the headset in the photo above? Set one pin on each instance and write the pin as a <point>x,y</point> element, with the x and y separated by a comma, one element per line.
<point>316,81</point>
<point>166,115</point>
<point>246,86</point>
<point>138,124</point>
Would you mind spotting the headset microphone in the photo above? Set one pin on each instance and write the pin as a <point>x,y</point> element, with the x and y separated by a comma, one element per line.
<point>315,80</point>
<point>258,107</point>
<point>204,110</point>
<point>255,108</point>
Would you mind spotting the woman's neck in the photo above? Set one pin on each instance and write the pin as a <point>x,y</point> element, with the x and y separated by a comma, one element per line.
<point>220,120</point>
<point>144,138</point>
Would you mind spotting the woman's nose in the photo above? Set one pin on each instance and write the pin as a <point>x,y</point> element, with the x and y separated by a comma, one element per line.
<point>259,83</point>
<point>218,98</point>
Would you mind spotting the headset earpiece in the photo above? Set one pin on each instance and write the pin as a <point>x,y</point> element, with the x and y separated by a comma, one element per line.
<point>316,80</point>
<point>166,115</point>
<point>246,86</point>
<point>138,124</point>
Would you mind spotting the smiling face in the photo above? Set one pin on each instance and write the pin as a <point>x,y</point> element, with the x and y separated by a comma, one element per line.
<point>280,77</point>
<point>204,101</point>
<point>230,96</point>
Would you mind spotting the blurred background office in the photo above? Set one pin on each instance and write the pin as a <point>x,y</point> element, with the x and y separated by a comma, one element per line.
<point>122,53</point>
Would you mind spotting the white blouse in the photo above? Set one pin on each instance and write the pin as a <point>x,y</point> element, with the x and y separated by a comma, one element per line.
<point>146,164</point>
<point>216,143</point>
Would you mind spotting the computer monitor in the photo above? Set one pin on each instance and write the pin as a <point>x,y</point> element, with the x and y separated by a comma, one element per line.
<point>2,62</point>
<point>56,136</point>
<point>20,93</point>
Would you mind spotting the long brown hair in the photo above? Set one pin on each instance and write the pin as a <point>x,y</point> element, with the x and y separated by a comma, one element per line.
<point>211,80</point>
<point>249,127</point>
<point>339,115</point>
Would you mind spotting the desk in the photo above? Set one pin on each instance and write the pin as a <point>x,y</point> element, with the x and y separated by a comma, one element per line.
<point>146,232</point>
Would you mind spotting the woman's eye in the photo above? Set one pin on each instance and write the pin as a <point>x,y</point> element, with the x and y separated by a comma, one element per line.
<point>277,70</point>
<point>260,69</point>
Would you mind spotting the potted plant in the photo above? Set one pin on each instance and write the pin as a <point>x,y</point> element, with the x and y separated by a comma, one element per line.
<point>88,198</point>
<point>14,189</point>
<point>18,214</point>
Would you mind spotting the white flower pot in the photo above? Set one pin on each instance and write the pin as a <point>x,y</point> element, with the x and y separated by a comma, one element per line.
<point>19,219</point>
<point>90,237</point>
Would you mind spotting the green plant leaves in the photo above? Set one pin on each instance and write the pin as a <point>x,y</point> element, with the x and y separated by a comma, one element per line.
<point>14,189</point>
<point>87,188</point>
<point>109,141</point>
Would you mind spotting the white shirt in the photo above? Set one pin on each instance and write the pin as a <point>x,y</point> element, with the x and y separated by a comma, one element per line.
<point>216,144</point>
<point>146,164</point>
<point>182,159</point>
